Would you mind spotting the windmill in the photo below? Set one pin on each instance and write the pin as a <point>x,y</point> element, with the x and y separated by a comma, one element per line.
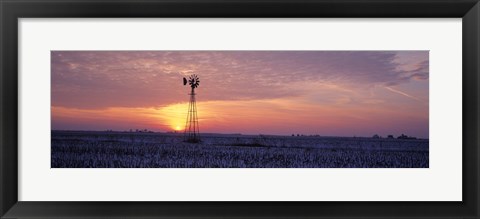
<point>192,132</point>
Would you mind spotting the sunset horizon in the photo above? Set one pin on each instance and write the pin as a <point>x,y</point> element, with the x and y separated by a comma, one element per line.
<point>325,93</point>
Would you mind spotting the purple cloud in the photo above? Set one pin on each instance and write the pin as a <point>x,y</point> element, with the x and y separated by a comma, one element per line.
<point>99,79</point>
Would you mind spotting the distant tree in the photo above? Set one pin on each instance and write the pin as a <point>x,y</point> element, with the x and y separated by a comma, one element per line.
<point>390,136</point>
<point>406,137</point>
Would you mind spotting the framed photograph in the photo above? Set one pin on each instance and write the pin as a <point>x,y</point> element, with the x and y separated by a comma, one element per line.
<point>164,109</point>
<point>251,103</point>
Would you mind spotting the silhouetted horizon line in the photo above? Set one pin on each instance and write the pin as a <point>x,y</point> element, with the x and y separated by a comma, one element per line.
<point>243,134</point>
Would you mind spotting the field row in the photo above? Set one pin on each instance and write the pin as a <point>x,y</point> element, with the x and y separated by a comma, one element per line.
<point>232,152</point>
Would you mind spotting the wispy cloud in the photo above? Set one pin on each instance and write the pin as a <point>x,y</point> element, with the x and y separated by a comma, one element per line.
<point>403,94</point>
<point>92,79</point>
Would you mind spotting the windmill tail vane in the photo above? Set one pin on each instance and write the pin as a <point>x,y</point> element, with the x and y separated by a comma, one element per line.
<point>192,131</point>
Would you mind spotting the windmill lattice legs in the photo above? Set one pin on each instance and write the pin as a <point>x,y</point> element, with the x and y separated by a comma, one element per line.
<point>192,131</point>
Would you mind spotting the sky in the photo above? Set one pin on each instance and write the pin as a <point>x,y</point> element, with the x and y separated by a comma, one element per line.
<point>327,93</point>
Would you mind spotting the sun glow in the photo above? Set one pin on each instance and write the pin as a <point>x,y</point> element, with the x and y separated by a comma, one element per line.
<point>174,115</point>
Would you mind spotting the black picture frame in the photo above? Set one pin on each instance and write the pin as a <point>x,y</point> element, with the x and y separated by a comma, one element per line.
<point>12,10</point>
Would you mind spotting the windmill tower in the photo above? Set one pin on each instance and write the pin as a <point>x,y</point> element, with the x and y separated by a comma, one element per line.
<point>192,132</point>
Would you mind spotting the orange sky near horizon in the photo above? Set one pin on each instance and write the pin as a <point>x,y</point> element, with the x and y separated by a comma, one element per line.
<point>330,93</point>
